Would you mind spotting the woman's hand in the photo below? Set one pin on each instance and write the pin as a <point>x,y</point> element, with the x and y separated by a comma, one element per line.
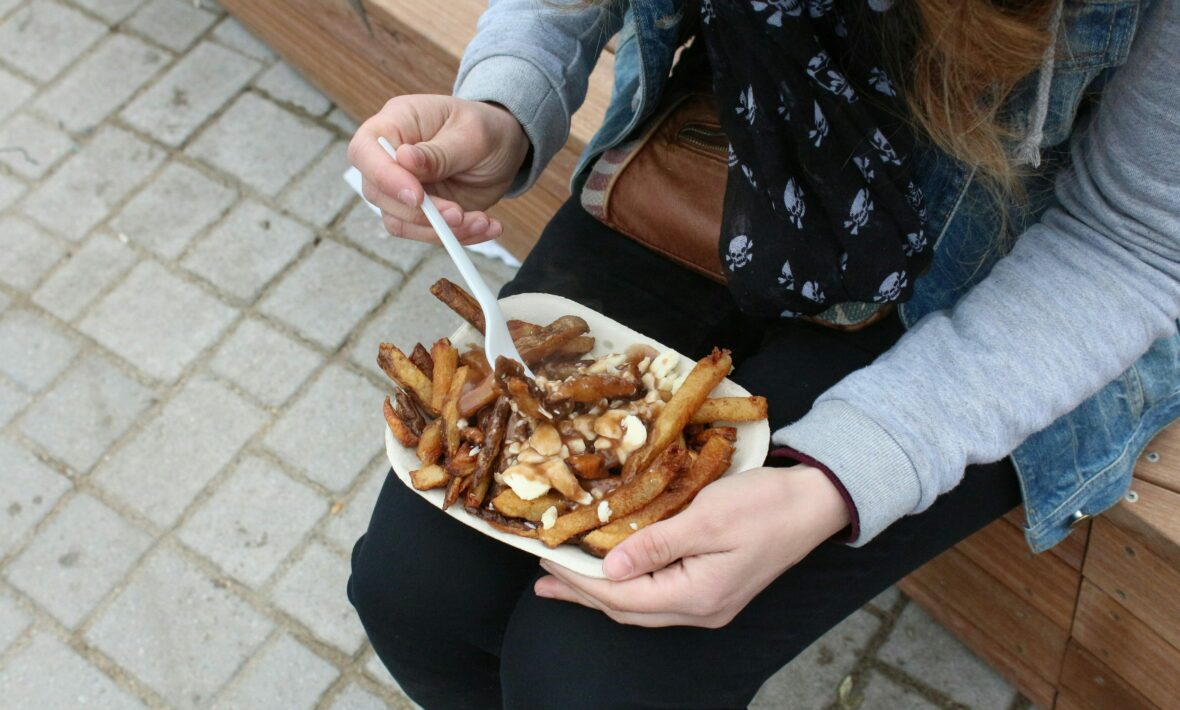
<point>465,153</point>
<point>702,566</point>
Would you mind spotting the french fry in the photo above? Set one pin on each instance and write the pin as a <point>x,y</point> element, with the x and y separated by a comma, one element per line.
<point>591,388</point>
<point>709,465</point>
<point>730,409</point>
<point>666,428</point>
<point>588,467</point>
<point>455,488</point>
<point>408,412</point>
<point>488,453</point>
<point>524,398</point>
<point>476,361</point>
<point>625,499</point>
<point>537,346</point>
<point>459,301</point>
<point>479,396</point>
<point>513,506</point>
<point>450,412</point>
<point>401,431</point>
<point>430,443</point>
<point>420,356</point>
<point>700,438</point>
<point>504,523</point>
<point>399,368</point>
<point>429,477</point>
<point>446,361</point>
<point>575,348</point>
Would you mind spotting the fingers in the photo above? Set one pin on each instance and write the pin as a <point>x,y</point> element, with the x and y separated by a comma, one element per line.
<point>468,227</point>
<point>649,594</point>
<point>554,588</point>
<point>659,545</point>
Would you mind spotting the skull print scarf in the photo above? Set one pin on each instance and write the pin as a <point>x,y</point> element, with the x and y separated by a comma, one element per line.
<point>820,207</point>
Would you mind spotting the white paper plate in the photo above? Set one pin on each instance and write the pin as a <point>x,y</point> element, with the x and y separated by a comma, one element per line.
<point>753,440</point>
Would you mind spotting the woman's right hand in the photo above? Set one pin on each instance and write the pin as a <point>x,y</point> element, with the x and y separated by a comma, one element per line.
<point>465,154</point>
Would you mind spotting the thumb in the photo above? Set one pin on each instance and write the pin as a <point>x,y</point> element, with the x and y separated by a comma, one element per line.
<point>652,548</point>
<point>437,159</point>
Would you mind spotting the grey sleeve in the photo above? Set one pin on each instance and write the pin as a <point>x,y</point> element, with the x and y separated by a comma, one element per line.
<point>535,60</point>
<point>1082,295</point>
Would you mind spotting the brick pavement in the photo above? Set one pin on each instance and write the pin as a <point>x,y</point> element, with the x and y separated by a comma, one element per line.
<point>189,304</point>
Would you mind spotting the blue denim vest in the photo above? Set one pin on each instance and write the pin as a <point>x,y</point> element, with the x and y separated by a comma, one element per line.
<point>1082,463</point>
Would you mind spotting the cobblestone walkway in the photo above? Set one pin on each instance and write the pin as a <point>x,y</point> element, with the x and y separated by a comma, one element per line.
<point>190,301</point>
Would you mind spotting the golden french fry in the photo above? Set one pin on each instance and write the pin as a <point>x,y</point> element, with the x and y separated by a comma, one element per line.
<point>399,368</point>
<point>624,500</point>
<point>479,396</point>
<point>596,386</point>
<point>459,301</point>
<point>429,477</point>
<point>575,348</point>
<point>537,346</point>
<point>450,411</point>
<point>446,361</point>
<point>401,431</point>
<point>671,420</point>
<point>476,361</point>
<point>457,486</point>
<point>730,409</point>
<point>513,506</point>
<point>709,465</point>
<point>430,444</point>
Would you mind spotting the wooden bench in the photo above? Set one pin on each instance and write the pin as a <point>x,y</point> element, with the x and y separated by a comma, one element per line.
<point>1094,623</point>
<point>361,53</point>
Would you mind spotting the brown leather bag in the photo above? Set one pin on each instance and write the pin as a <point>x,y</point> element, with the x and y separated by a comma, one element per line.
<point>665,189</point>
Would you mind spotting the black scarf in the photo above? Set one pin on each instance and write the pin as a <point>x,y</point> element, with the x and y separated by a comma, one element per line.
<point>820,207</point>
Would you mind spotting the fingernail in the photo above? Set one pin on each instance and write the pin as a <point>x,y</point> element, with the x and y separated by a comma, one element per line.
<point>453,216</point>
<point>479,226</point>
<point>617,565</point>
<point>406,197</point>
<point>495,229</point>
<point>542,591</point>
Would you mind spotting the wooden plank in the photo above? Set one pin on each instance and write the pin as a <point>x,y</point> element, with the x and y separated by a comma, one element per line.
<point>1044,581</point>
<point>1032,685</point>
<point>1018,627</point>
<point>1094,686</point>
<point>1128,646</point>
<point>1071,550</point>
<point>1164,471</point>
<point>1146,584</point>
<point>1154,518</point>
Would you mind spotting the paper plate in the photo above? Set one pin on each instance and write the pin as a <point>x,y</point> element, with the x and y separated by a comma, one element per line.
<point>753,439</point>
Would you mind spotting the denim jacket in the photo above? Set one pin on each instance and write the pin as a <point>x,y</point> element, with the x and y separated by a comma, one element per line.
<point>1082,463</point>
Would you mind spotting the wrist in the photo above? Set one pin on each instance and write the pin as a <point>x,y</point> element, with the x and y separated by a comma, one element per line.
<point>511,133</point>
<point>825,504</point>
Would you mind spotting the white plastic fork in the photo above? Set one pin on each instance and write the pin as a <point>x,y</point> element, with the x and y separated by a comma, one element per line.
<point>497,341</point>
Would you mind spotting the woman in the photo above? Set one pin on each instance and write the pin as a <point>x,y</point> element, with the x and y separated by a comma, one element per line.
<point>1008,343</point>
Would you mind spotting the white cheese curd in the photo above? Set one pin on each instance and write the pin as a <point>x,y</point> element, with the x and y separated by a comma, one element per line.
<point>604,512</point>
<point>526,482</point>
<point>549,517</point>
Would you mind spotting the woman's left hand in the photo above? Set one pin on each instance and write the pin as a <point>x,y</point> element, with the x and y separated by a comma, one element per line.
<point>703,565</point>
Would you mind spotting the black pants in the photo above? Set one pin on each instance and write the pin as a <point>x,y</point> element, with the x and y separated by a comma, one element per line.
<point>452,614</point>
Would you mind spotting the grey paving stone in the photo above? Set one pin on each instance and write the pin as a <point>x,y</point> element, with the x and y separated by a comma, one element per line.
<point>49,674</point>
<point>363,227</point>
<point>101,83</point>
<point>7,6</point>
<point>12,400</point>
<point>191,634</point>
<point>246,251</point>
<point>84,190</point>
<point>174,456</point>
<point>28,253</point>
<point>33,350</point>
<point>351,521</point>
<point>312,591</point>
<point>5,301</point>
<point>921,647</point>
<point>110,10</point>
<point>285,84</point>
<point>14,91</point>
<point>328,293</point>
<point>333,430</point>
<point>31,38</point>
<point>287,675</point>
<point>13,621</point>
<point>28,489</point>
<point>813,678</point>
<point>253,521</point>
<point>157,322</point>
<point>414,315</point>
<point>173,209</point>
<point>886,600</point>
<point>881,693</point>
<point>192,90</point>
<point>172,23</point>
<point>79,281</point>
<point>341,120</point>
<point>231,33</point>
<point>264,362</point>
<point>83,414</point>
<point>320,194</point>
<point>260,143</point>
<point>30,146</point>
<point>77,559</point>
<point>355,697</point>
<point>11,190</point>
